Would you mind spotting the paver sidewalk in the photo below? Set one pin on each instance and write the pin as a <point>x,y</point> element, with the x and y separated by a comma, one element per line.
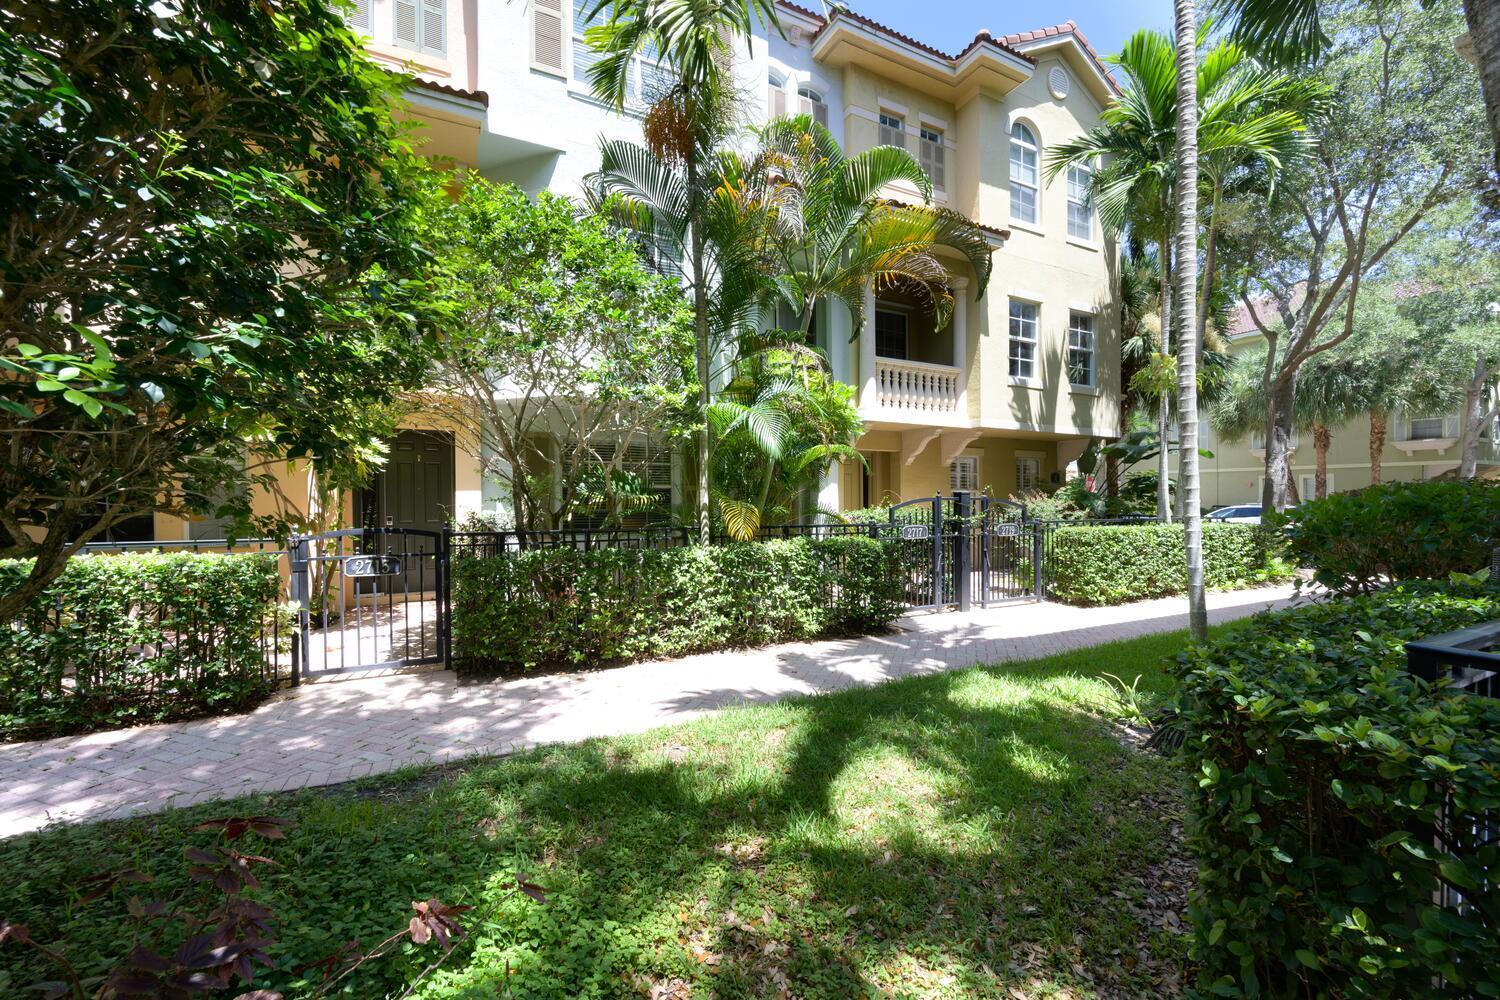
<point>322,734</point>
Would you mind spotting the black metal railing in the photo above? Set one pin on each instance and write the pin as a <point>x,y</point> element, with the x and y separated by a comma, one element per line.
<point>1468,660</point>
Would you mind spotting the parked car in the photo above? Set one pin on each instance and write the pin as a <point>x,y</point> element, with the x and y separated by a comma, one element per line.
<point>1244,513</point>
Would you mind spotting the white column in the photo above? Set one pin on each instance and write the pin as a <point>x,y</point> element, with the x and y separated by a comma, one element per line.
<point>867,397</point>
<point>961,342</point>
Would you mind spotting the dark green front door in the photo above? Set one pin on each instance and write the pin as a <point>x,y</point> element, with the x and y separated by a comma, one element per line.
<point>415,493</point>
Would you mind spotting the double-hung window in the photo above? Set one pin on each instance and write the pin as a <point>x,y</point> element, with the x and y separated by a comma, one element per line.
<point>645,78</point>
<point>1022,339</point>
<point>892,130</point>
<point>810,102</point>
<point>1025,154</point>
<point>963,474</point>
<point>1081,349</point>
<point>1028,474</point>
<point>1080,208</point>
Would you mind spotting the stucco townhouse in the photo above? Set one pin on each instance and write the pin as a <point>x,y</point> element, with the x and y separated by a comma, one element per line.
<point>1418,445</point>
<point>1002,398</point>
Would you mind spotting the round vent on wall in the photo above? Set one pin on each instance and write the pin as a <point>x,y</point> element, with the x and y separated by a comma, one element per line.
<point>1057,82</point>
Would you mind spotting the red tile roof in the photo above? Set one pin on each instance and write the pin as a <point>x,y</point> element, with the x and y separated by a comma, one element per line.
<point>477,96</point>
<point>982,38</point>
<point>1066,28</point>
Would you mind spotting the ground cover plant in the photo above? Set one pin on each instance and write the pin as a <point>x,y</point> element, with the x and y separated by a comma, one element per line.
<point>960,835</point>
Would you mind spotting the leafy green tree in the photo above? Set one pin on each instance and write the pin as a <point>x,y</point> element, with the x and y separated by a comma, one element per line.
<point>684,129</point>
<point>1400,141</point>
<point>778,423</point>
<point>562,349</point>
<point>209,247</point>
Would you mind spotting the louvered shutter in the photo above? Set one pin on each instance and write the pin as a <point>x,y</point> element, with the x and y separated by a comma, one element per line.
<point>776,103</point>
<point>820,113</point>
<point>434,26</point>
<point>359,16</point>
<point>546,34</point>
<point>406,24</point>
<point>932,161</point>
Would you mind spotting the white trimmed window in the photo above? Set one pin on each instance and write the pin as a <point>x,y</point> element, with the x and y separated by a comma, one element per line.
<point>1025,154</point>
<point>1080,208</point>
<point>1022,339</point>
<point>963,474</point>
<point>1081,349</point>
<point>775,95</point>
<point>420,25</point>
<point>646,78</point>
<point>810,102</point>
<point>892,130</point>
<point>1028,474</point>
<point>931,149</point>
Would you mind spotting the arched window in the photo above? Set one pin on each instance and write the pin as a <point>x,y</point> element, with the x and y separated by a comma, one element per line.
<point>775,94</point>
<point>1025,154</point>
<point>810,102</point>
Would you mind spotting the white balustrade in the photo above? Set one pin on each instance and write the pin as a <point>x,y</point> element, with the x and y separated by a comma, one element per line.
<point>916,387</point>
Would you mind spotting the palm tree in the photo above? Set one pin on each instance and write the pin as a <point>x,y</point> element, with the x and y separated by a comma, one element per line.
<point>834,234</point>
<point>683,129</point>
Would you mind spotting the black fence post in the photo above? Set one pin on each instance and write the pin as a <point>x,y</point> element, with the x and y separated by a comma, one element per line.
<point>300,590</point>
<point>445,596</point>
<point>937,552</point>
<point>961,550</point>
<point>1038,552</point>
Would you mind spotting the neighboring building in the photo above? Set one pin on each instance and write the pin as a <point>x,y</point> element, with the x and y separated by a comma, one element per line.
<point>1418,446</point>
<point>1000,399</point>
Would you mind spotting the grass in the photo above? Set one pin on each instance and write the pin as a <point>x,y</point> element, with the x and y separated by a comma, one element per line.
<point>976,833</point>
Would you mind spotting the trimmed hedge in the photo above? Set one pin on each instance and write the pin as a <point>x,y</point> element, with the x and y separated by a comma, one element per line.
<point>1356,541</point>
<point>1321,766</point>
<point>124,640</point>
<point>547,607</point>
<point>1112,564</point>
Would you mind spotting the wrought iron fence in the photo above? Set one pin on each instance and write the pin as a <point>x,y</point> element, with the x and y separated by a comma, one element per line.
<point>1469,660</point>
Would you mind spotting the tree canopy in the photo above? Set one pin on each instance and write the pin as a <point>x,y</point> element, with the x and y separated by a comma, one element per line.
<point>207,250</point>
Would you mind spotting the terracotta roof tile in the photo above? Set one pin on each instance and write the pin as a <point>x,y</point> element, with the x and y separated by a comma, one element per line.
<point>982,38</point>
<point>1067,27</point>
<point>477,96</point>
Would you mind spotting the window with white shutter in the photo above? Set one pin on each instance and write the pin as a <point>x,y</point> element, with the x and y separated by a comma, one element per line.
<point>547,35</point>
<point>932,155</point>
<point>775,95</point>
<point>421,25</point>
<point>359,15</point>
<point>892,130</point>
<point>810,102</point>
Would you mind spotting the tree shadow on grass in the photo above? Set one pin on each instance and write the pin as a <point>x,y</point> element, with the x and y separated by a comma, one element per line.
<point>944,836</point>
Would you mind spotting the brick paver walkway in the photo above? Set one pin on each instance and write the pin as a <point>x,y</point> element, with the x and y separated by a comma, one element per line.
<point>321,734</point>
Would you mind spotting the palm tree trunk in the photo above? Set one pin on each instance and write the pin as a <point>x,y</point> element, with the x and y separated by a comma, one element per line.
<point>1208,263</point>
<point>1163,403</point>
<point>700,337</point>
<point>1188,329</point>
<point>1377,444</point>
<point>1321,438</point>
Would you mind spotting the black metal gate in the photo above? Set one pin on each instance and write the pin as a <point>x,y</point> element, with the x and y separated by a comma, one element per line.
<point>369,599</point>
<point>964,550</point>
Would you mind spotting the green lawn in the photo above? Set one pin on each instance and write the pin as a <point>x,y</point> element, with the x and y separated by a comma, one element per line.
<point>978,833</point>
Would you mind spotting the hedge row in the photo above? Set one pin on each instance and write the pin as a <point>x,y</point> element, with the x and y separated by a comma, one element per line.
<point>550,607</point>
<point>123,640</point>
<point>1321,768</point>
<point>1111,564</point>
<point>1399,531</point>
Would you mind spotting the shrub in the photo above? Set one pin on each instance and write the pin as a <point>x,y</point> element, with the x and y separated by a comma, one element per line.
<point>1111,564</point>
<point>1321,769</point>
<point>1402,531</point>
<point>122,640</point>
<point>566,606</point>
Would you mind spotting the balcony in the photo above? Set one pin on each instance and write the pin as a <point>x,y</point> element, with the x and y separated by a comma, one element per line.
<point>916,390</point>
<point>1425,433</point>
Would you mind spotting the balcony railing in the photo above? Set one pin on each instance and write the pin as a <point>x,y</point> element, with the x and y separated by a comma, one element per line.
<point>916,387</point>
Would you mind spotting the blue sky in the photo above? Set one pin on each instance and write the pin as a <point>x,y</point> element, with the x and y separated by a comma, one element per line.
<point>949,25</point>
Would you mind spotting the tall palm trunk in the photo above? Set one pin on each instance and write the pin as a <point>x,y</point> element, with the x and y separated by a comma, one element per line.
<point>1378,431</point>
<point>1187,320</point>
<point>1164,402</point>
<point>700,337</point>
<point>1321,438</point>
